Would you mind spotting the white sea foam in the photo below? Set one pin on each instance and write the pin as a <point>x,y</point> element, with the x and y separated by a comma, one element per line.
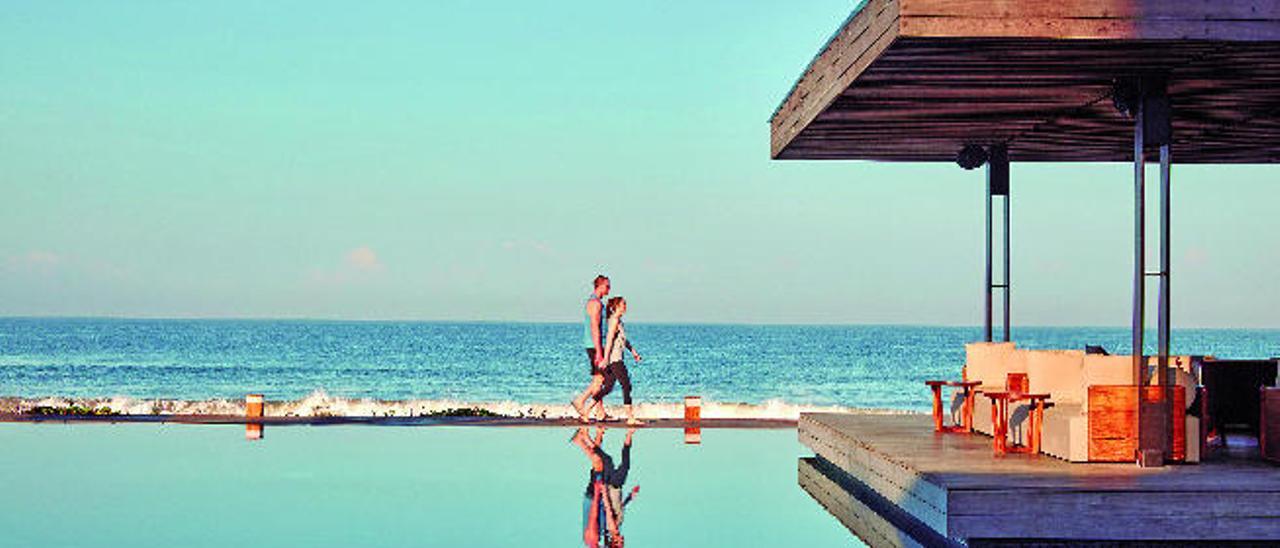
<point>321,404</point>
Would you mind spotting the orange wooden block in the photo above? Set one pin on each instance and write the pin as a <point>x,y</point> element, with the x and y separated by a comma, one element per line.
<point>1113,425</point>
<point>253,405</point>
<point>692,408</point>
<point>1017,383</point>
<point>692,435</point>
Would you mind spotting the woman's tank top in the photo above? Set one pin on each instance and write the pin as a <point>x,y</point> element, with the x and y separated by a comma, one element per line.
<point>587,341</point>
<point>619,344</point>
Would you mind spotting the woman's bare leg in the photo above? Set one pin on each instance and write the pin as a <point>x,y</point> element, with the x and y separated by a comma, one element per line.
<point>631,416</point>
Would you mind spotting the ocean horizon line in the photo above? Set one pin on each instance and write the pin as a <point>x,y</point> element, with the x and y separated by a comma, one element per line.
<point>304,319</point>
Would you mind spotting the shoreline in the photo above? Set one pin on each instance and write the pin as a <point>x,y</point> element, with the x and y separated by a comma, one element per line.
<point>320,407</point>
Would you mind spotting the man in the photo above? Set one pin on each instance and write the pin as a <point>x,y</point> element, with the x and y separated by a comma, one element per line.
<point>593,340</point>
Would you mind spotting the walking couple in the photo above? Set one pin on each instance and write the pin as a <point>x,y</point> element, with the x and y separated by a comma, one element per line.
<point>605,338</point>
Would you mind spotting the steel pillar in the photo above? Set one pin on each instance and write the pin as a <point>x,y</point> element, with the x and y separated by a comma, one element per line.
<point>986,286</point>
<point>1164,324</point>
<point>1007,285</point>
<point>1139,247</point>
<point>1167,376</point>
<point>997,185</point>
<point>1153,115</point>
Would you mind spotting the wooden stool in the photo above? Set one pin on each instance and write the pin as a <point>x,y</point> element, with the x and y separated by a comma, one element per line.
<point>966,410</point>
<point>1000,421</point>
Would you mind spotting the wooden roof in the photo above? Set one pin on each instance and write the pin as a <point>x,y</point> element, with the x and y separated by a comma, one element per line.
<point>914,80</point>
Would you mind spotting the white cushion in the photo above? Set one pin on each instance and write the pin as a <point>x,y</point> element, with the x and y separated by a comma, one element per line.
<point>1059,373</point>
<point>1102,370</point>
<point>987,362</point>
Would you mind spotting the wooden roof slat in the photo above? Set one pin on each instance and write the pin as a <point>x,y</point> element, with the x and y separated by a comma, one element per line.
<point>1150,29</point>
<point>943,73</point>
<point>1095,9</point>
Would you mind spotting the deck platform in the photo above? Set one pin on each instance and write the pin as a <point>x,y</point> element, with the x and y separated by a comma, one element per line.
<point>894,482</point>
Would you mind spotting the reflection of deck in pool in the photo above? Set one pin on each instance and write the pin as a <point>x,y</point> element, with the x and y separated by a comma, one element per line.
<point>952,485</point>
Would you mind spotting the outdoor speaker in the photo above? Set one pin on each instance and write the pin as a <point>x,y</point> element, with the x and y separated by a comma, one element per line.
<point>998,170</point>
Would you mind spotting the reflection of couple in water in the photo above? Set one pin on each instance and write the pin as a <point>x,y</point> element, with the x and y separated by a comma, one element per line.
<point>605,338</point>
<point>603,503</point>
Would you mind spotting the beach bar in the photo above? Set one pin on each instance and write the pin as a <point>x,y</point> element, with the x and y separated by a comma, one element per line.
<point>1110,440</point>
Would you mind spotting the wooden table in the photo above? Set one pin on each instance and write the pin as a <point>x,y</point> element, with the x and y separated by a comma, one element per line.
<point>966,410</point>
<point>1000,401</point>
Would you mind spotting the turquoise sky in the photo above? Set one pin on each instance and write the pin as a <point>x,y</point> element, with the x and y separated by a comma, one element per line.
<point>483,160</point>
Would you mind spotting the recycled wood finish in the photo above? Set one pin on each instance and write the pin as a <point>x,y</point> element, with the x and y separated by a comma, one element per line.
<point>914,80</point>
<point>953,486</point>
<point>1113,429</point>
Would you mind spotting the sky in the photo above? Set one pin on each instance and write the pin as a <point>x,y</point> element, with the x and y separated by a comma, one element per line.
<point>482,161</point>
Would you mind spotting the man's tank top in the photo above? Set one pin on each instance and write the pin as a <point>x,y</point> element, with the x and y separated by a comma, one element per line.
<point>586,324</point>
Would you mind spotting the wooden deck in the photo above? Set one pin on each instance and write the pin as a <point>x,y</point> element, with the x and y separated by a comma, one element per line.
<point>941,489</point>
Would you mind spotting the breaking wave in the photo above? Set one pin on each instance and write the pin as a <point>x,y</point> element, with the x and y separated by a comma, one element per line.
<point>321,404</point>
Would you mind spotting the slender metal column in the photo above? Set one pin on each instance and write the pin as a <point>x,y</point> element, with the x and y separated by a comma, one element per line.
<point>1139,274</point>
<point>997,185</point>
<point>986,314</point>
<point>1167,376</point>
<point>1163,319</point>
<point>1153,125</point>
<point>1139,246</point>
<point>1005,279</point>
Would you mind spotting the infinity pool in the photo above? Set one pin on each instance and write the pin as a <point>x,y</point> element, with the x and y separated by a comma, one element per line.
<point>186,485</point>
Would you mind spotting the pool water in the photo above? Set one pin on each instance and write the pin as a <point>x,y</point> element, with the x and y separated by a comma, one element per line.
<point>199,485</point>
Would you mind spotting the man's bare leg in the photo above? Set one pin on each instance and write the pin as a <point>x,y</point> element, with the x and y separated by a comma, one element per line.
<point>598,410</point>
<point>579,403</point>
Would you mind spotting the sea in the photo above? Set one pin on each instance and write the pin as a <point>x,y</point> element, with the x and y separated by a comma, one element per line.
<point>373,368</point>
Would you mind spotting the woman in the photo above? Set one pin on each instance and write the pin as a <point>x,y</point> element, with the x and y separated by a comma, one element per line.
<point>603,503</point>
<point>615,341</point>
<point>615,481</point>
